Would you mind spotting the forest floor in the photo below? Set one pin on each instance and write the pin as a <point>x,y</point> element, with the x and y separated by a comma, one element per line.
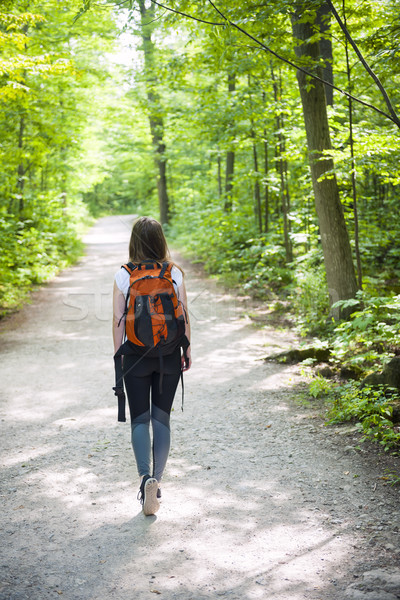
<point>260,499</point>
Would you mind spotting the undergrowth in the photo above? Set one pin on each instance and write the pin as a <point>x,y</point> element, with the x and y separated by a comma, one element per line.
<point>371,336</point>
<point>35,249</point>
<point>371,409</point>
<point>362,344</point>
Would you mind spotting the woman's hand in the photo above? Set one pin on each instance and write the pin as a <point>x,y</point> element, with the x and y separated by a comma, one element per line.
<point>186,363</point>
<point>182,297</point>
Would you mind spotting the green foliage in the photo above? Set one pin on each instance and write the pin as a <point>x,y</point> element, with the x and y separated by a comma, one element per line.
<point>319,387</point>
<point>309,296</point>
<point>34,250</point>
<point>372,409</point>
<point>235,253</point>
<point>393,477</point>
<point>372,334</point>
<point>46,69</point>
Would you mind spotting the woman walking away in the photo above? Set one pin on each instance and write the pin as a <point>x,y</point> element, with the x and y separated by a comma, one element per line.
<point>151,330</point>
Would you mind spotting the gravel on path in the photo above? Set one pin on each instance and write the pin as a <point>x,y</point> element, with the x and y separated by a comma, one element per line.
<point>260,500</point>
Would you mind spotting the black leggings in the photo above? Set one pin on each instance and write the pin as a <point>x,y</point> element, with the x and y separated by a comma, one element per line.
<point>148,404</point>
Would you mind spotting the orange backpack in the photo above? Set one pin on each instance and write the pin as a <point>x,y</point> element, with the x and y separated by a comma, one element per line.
<point>154,319</point>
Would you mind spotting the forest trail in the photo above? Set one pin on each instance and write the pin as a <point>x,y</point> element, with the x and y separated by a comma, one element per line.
<point>259,499</point>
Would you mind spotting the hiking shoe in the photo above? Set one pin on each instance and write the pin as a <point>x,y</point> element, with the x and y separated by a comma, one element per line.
<point>140,495</point>
<point>148,495</point>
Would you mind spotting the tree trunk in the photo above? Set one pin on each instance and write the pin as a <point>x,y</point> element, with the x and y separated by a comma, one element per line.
<point>353,162</point>
<point>266,189</point>
<point>64,161</point>
<point>21,168</point>
<point>155,110</point>
<point>288,241</point>
<point>230,157</point>
<point>325,46</point>
<point>219,175</point>
<point>334,236</point>
<point>229,172</point>
<point>282,167</point>
<point>257,193</point>
<point>163,199</point>
<point>266,171</point>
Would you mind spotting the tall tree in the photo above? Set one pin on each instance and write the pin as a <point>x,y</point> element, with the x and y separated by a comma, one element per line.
<point>230,155</point>
<point>353,162</point>
<point>325,46</point>
<point>147,16</point>
<point>334,236</point>
<point>281,162</point>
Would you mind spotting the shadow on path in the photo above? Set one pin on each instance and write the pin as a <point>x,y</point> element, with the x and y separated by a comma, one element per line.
<point>258,502</point>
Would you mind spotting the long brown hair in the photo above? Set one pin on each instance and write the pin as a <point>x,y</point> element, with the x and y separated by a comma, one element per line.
<point>148,241</point>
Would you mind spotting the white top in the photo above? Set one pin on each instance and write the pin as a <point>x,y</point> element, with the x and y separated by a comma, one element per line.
<point>122,279</point>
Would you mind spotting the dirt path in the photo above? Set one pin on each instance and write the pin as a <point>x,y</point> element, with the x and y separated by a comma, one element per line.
<point>259,500</point>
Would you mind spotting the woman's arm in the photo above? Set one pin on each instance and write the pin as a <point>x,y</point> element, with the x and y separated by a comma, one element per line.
<point>183,298</point>
<point>118,325</point>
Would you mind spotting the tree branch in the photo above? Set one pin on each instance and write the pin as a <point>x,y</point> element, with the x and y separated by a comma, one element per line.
<point>392,116</point>
<point>182,14</point>
<point>346,32</point>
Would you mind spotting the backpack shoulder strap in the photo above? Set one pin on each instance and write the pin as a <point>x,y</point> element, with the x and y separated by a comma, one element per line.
<point>166,266</point>
<point>129,267</point>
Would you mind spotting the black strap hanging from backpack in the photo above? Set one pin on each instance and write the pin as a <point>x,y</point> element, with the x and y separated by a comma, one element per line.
<point>119,381</point>
<point>119,387</point>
